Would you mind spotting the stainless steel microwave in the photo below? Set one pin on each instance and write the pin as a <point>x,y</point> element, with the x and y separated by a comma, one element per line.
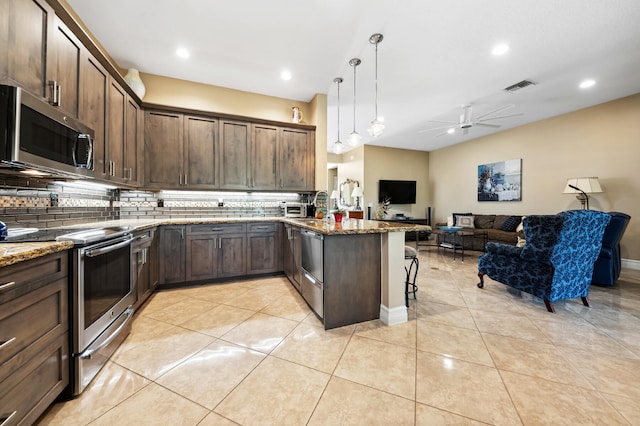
<point>36,135</point>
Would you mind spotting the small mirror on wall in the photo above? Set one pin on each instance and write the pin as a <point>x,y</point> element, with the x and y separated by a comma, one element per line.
<point>346,189</point>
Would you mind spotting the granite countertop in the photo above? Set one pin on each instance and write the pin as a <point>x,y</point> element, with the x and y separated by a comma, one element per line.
<point>11,253</point>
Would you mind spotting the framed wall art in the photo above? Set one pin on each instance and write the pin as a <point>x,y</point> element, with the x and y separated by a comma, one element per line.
<point>500,181</point>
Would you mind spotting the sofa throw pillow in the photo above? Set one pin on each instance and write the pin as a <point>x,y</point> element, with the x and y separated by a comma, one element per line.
<point>455,217</point>
<point>499,220</point>
<point>510,224</point>
<point>465,221</point>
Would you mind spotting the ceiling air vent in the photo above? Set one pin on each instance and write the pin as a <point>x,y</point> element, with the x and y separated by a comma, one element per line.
<point>519,85</point>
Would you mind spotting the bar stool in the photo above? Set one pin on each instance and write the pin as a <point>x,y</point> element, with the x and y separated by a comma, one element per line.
<point>412,273</point>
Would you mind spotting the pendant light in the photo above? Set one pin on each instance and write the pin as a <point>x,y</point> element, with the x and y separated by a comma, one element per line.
<point>354,137</point>
<point>377,125</point>
<point>337,146</point>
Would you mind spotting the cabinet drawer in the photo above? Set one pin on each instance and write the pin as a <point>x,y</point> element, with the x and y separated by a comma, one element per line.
<point>144,238</point>
<point>233,228</point>
<point>27,393</point>
<point>23,277</point>
<point>29,321</point>
<point>268,227</point>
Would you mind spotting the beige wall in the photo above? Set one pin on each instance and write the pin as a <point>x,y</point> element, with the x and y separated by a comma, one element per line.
<point>318,114</point>
<point>602,141</point>
<point>397,164</point>
<point>188,94</point>
<point>368,164</point>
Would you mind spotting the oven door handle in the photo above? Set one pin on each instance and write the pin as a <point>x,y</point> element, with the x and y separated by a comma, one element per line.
<point>87,354</point>
<point>108,249</point>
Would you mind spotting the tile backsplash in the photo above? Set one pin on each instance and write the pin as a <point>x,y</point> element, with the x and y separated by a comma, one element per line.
<point>32,203</point>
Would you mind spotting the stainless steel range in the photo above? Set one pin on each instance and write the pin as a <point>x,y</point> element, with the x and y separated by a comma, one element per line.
<point>101,296</point>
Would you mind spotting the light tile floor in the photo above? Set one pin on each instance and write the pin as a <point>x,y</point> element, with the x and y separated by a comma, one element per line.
<point>252,353</point>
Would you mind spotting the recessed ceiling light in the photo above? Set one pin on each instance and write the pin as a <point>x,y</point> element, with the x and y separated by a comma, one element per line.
<point>285,75</point>
<point>585,84</point>
<point>500,49</point>
<point>183,53</point>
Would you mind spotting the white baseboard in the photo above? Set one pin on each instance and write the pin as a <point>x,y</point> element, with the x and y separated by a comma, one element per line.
<point>393,316</point>
<point>630,264</point>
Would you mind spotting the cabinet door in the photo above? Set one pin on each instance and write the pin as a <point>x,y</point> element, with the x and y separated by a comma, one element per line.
<point>65,69</point>
<point>202,257</point>
<point>163,141</point>
<point>263,254</point>
<point>264,142</point>
<point>132,136</point>
<point>30,23</point>
<point>201,137</point>
<point>93,108</point>
<point>234,155</point>
<point>231,261</point>
<point>293,160</point>
<point>115,131</point>
<point>172,254</point>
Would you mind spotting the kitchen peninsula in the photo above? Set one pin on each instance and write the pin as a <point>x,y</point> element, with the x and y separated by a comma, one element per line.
<point>363,261</point>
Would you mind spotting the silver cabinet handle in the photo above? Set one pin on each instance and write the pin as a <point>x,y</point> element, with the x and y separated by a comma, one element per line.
<point>7,285</point>
<point>54,92</point>
<point>186,181</point>
<point>219,243</point>
<point>90,352</point>
<point>4,418</point>
<point>108,249</point>
<point>7,343</point>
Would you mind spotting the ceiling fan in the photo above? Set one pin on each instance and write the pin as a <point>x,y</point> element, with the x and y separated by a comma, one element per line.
<point>466,121</point>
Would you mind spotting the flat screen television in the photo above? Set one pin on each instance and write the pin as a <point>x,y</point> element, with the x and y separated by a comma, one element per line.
<point>398,191</point>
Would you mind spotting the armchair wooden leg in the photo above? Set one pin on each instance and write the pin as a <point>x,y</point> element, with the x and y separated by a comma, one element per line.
<point>585,301</point>
<point>481,276</point>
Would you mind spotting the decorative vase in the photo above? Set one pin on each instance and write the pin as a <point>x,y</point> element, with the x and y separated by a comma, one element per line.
<point>338,217</point>
<point>133,79</point>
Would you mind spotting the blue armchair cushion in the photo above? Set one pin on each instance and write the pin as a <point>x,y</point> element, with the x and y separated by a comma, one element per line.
<point>542,233</point>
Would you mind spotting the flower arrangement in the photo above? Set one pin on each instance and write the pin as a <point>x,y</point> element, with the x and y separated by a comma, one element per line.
<point>339,210</point>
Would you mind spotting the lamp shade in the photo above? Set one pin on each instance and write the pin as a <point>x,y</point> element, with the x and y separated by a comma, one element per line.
<point>357,192</point>
<point>334,195</point>
<point>589,185</point>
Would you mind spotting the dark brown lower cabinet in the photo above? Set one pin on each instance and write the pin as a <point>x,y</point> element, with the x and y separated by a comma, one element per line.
<point>144,264</point>
<point>263,248</point>
<point>34,337</point>
<point>196,253</point>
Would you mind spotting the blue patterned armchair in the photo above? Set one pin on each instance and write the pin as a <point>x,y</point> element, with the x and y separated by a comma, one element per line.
<point>556,262</point>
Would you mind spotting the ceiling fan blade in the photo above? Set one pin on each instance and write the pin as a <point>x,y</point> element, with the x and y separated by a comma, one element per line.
<point>441,134</point>
<point>495,111</point>
<point>438,128</point>
<point>495,126</point>
<point>442,121</point>
<point>499,117</point>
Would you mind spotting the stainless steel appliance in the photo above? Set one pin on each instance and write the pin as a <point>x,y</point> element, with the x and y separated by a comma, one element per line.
<point>312,285</point>
<point>36,135</point>
<point>294,210</point>
<point>101,296</point>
